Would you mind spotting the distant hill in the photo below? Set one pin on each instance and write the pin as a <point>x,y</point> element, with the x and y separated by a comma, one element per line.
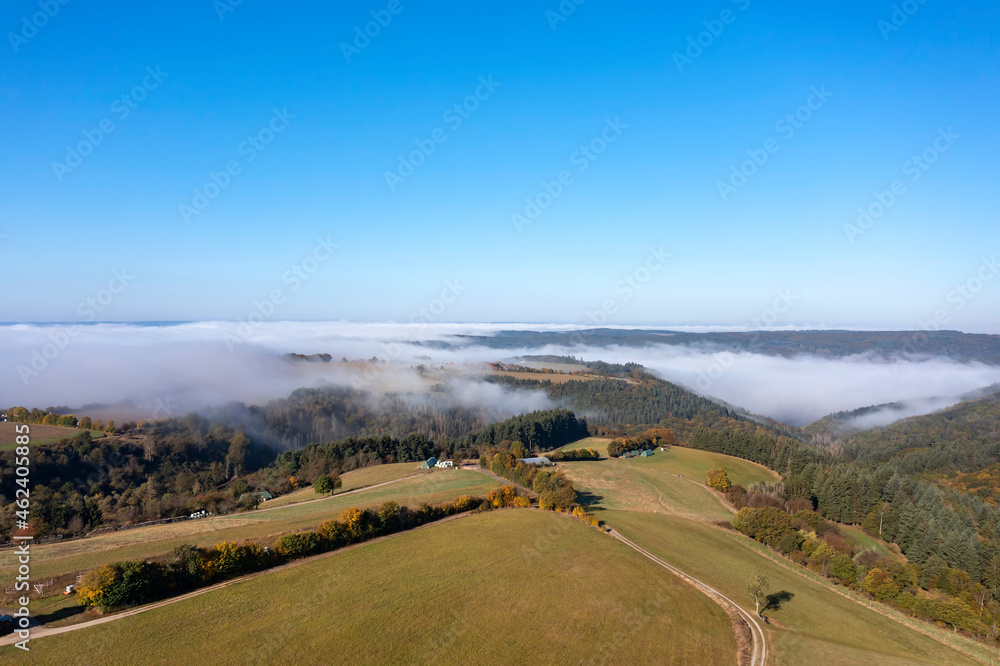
<point>832,344</point>
<point>843,424</point>
<point>961,438</point>
<point>642,401</point>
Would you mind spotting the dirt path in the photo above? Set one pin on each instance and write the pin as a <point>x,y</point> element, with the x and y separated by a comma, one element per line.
<point>329,497</point>
<point>758,655</point>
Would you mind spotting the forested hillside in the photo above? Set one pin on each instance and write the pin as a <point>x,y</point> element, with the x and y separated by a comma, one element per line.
<point>639,402</point>
<point>962,438</point>
<point>831,344</point>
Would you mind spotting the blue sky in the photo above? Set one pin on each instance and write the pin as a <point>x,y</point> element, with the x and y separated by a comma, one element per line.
<point>345,116</point>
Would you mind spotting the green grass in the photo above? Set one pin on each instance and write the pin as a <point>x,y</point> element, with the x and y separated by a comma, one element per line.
<point>694,464</point>
<point>7,442</point>
<point>145,542</point>
<point>514,586</point>
<point>600,444</point>
<point>866,541</point>
<point>359,478</point>
<point>816,625</point>
<point>652,484</point>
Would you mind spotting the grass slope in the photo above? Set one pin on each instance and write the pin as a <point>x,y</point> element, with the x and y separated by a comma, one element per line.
<point>512,586</point>
<point>653,485</point>
<point>39,434</point>
<point>816,625</point>
<point>359,478</point>
<point>145,542</point>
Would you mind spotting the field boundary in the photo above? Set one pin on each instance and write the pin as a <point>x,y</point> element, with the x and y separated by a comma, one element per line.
<point>42,632</point>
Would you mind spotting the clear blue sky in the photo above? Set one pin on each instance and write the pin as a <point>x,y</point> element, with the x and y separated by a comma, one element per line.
<point>656,184</point>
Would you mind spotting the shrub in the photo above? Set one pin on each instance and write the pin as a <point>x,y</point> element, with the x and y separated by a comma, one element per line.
<point>302,544</point>
<point>718,479</point>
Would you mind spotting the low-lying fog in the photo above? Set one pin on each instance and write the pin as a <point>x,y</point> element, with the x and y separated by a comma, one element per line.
<point>171,369</point>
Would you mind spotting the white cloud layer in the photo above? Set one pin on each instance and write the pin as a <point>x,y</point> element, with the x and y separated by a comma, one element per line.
<point>187,366</point>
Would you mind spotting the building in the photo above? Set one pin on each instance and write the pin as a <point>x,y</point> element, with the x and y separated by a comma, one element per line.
<point>540,461</point>
<point>646,453</point>
<point>445,464</point>
<point>430,462</point>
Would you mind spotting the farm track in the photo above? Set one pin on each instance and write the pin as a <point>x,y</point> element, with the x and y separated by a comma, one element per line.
<point>758,656</point>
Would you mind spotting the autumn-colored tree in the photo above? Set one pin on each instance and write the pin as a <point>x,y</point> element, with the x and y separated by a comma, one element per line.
<point>518,450</point>
<point>718,479</point>
<point>93,589</point>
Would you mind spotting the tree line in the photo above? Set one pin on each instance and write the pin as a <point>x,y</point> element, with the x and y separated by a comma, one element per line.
<point>129,583</point>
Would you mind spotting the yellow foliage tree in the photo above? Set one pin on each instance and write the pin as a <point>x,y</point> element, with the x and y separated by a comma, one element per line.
<point>718,479</point>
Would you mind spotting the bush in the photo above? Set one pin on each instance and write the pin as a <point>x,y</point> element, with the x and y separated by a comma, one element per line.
<point>718,479</point>
<point>302,544</point>
<point>767,525</point>
<point>124,584</point>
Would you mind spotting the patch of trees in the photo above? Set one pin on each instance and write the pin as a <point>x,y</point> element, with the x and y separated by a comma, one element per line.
<point>574,454</point>
<point>644,441</point>
<point>164,470</point>
<point>329,414</point>
<point>555,490</point>
<point>946,534</point>
<point>315,460</point>
<point>537,431</point>
<point>114,586</point>
<point>50,417</point>
<point>806,538</point>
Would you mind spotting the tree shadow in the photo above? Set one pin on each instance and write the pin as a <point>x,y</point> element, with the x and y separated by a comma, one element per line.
<point>60,614</point>
<point>587,498</point>
<point>775,600</point>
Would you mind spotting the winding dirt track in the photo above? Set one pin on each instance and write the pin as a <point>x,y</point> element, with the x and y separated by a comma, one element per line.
<point>759,655</point>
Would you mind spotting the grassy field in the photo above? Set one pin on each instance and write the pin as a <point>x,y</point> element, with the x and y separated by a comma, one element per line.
<point>869,542</point>
<point>600,444</point>
<point>359,478</point>
<point>514,586</point>
<point>815,625</point>
<point>694,464</point>
<point>40,434</point>
<point>144,542</point>
<point>653,485</point>
<point>555,378</point>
